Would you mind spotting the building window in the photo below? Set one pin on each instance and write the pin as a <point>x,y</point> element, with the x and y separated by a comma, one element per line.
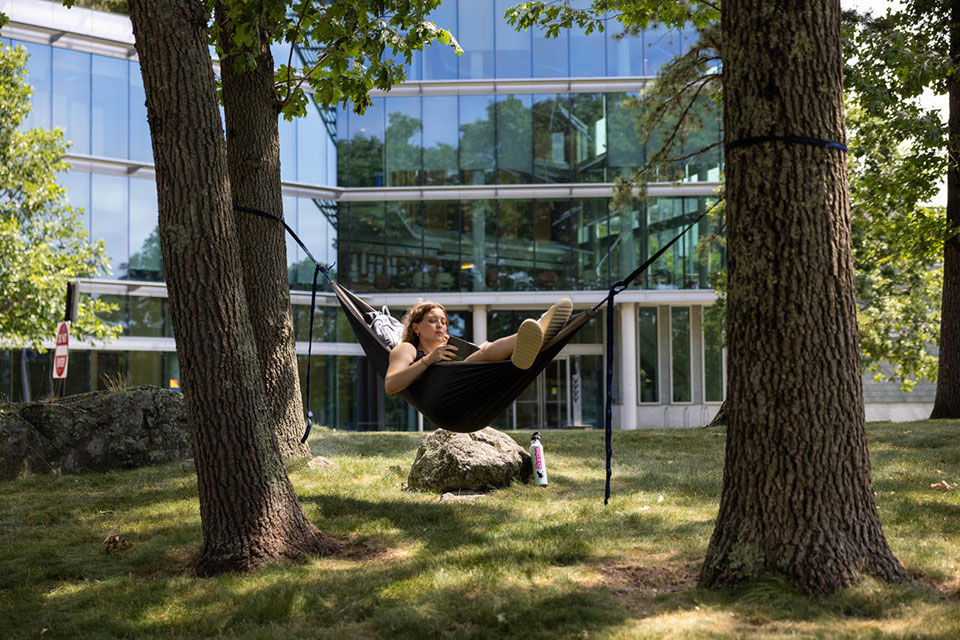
<point>477,139</point>
<point>712,361</point>
<point>403,146</point>
<point>513,46</point>
<point>514,139</point>
<point>110,219</point>
<point>440,140</point>
<point>146,317</point>
<point>71,108</point>
<point>439,60</point>
<point>110,108</point>
<point>475,34</point>
<point>648,343</point>
<point>680,364</point>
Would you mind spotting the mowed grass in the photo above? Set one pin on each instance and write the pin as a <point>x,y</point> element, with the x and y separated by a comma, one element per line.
<point>524,562</point>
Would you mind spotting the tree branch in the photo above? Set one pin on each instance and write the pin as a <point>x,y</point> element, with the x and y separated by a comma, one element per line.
<point>303,78</point>
<point>293,43</point>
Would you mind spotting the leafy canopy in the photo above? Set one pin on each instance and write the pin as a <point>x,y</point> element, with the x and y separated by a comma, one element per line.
<point>341,49</point>
<point>898,157</point>
<point>42,242</point>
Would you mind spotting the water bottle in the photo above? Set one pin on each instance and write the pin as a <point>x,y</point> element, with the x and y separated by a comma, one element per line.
<point>539,466</point>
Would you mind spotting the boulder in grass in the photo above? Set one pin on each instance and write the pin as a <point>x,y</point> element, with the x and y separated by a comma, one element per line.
<point>94,432</point>
<point>458,462</point>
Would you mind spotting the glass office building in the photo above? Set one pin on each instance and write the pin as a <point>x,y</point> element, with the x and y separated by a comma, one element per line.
<point>484,182</point>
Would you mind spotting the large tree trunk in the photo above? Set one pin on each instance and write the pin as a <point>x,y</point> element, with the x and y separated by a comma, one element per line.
<point>248,507</point>
<point>797,494</point>
<point>253,161</point>
<point>947,402</point>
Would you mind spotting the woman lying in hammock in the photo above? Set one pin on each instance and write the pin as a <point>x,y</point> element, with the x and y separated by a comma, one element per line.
<point>425,342</point>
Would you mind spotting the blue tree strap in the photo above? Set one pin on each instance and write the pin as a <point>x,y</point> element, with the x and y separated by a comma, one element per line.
<point>313,301</point>
<point>270,216</point>
<point>608,421</point>
<point>745,142</point>
<point>616,288</point>
<point>313,298</point>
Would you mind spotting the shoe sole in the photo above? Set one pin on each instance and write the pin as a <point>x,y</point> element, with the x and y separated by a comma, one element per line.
<point>555,317</point>
<point>529,340</point>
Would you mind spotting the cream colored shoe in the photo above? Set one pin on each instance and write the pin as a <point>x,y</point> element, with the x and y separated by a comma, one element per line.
<point>529,340</point>
<point>555,317</point>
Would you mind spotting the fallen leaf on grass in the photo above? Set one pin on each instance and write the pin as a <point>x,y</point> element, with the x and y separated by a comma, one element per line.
<point>943,485</point>
<point>115,542</point>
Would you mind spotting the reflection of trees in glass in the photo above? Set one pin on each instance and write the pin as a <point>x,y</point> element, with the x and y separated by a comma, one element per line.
<point>147,263</point>
<point>403,150</point>
<point>624,144</point>
<point>514,140</point>
<point>147,316</point>
<point>588,137</point>
<point>361,160</point>
<point>477,148</point>
<point>519,139</point>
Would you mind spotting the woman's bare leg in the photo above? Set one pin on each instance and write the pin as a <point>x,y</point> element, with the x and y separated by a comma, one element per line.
<point>499,349</point>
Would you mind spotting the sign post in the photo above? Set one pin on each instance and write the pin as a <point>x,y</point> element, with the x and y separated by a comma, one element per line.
<point>62,353</point>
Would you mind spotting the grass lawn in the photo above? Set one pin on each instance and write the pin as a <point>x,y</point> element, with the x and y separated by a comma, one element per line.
<point>525,562</point>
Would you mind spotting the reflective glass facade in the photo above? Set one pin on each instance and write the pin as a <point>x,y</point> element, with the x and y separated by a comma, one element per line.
<point>503,139</point>
<point>493,49</point>
<point>450,134</point>
<point>518,245</point>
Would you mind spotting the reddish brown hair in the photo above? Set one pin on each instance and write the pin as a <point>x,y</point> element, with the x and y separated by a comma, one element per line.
<point>415,314</point>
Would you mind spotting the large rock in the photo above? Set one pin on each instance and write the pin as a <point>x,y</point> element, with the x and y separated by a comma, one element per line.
<point>479,461</point>
<point>94,432</point>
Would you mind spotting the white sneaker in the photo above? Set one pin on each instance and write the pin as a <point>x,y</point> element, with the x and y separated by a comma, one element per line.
<point>555,317</point>
<point>529,340</point>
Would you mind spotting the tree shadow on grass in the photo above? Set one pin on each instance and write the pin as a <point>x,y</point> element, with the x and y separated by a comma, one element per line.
<point>400,598</point>
<point>440,526</point>
<point>348,443</point>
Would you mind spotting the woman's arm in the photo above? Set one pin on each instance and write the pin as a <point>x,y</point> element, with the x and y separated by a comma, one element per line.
<point>403,371</point>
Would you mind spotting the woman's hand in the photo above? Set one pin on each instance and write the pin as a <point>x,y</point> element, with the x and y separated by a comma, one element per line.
<point>443,352</point>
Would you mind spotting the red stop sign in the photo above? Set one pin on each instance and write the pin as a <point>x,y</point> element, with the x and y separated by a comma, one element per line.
<point>61,354</point>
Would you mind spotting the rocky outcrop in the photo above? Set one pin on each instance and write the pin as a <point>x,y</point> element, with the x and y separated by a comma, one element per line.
<point>479,461</point>
<point>94,432</point>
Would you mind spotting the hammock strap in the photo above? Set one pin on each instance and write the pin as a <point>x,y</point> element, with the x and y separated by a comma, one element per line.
<point>325,270</point>
<point>616,288</point>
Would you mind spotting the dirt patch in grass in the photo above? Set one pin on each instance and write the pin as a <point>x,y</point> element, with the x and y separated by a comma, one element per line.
<point>949,589</point>
<point>648,580</point>
<point>362,550</point>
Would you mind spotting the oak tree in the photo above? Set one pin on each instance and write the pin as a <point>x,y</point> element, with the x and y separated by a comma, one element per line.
<point>248,508</point>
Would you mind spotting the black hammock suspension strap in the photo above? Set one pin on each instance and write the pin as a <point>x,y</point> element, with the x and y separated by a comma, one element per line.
<point>313,297</point>
<point>746,142</point>
<point>616,288</point>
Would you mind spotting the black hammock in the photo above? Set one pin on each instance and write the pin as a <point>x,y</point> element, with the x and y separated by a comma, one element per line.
<point>467,396</point>
<point>457,396</point>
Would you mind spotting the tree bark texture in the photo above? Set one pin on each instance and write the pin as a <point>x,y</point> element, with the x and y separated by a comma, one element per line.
<point>797,493</point>
<point>248,508</point>
<point>947,402</point>
<point>253,162</point>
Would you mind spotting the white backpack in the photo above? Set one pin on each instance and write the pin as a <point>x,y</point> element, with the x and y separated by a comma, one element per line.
<point>387,328</point>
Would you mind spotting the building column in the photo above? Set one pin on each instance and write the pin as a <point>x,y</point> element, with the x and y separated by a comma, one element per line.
<point>628,365</point>
<point>479,324</point>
